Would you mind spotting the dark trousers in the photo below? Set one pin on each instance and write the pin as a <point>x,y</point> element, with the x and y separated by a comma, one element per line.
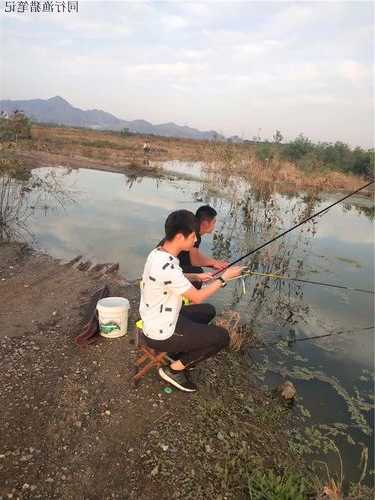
<point>194,339</point>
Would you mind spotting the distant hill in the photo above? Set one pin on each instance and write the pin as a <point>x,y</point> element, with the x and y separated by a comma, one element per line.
<point>58,110</point>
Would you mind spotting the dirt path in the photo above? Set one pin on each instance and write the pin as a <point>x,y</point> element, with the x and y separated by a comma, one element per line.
<point>73,426</point>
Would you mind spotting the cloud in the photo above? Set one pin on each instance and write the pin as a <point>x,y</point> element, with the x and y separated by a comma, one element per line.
<point>354,71</point>
<point>166,71</point>
<point>172,22</point>
<point>217,65</point>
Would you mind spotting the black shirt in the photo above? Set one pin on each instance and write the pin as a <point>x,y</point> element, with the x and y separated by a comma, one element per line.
<point>184,257</point>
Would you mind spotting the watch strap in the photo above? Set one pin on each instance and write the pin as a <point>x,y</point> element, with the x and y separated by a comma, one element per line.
<point>223,282</point>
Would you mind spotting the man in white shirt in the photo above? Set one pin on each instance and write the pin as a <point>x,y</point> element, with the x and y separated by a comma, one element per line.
<point>169,326</point>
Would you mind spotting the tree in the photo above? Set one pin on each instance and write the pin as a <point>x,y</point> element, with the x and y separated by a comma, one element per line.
<point>298,148</point>
<point>277,137</point>
<point>16,126</point>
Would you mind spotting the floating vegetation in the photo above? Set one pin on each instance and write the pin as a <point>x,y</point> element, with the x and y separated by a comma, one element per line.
<point>354,403</point>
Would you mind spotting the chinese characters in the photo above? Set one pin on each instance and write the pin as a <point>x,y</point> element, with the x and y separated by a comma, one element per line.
<point>41,7</point>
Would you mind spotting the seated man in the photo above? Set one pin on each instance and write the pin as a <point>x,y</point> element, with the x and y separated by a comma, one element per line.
<point>167,326</point>
<point>193,260</point>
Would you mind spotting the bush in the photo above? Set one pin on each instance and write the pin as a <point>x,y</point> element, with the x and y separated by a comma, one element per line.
<point>298,148</point>
<point>338,156</point>
<point>363,162</point>
<point>264,151</point>
<point>270,486</point>
<point>17,126</point>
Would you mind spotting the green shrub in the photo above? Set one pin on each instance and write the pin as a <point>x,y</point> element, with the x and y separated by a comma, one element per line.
<point>264,151</point>
<point>324,155</point>
<point>17,126</point>
<point>298,148</point>
<point>270,486</point>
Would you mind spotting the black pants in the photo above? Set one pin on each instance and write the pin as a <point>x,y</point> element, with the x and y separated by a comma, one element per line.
<point>194,339</point>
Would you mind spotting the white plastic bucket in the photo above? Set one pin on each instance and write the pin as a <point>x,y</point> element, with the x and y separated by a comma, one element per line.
<point>113,316</point>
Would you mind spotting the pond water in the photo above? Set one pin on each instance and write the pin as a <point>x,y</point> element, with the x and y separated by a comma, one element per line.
<point>108,217</point>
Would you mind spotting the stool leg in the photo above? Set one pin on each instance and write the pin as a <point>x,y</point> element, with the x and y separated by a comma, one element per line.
<point>142,359</point>
<point>144,370</point>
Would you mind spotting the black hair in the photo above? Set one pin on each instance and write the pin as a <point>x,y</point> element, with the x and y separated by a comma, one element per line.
<point>180,221</point>
<point>205,212</point>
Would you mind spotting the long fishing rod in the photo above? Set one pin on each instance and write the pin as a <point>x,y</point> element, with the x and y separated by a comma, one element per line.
<point>292,228</point>
<point>310,282</point>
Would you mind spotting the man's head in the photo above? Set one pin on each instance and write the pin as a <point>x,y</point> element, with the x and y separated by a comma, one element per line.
<point>181,229</point>
<point>206,216</point>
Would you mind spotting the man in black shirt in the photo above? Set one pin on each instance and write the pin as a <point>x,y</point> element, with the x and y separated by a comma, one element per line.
<point>193,260</point>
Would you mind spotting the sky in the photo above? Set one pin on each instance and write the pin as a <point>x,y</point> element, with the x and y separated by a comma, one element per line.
<point>240,68</point>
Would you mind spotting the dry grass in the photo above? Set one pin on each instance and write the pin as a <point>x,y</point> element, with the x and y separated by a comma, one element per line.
<point>112,145</point>
<point>112,149</point>
<point>239,335</point>
<point>242,160</point>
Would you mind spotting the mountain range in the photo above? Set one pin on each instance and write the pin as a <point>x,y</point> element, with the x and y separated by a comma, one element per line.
<point>58,111</point>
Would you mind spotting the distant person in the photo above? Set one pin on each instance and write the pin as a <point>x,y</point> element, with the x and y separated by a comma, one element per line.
<point>193,260</point>
<point>168,326</point>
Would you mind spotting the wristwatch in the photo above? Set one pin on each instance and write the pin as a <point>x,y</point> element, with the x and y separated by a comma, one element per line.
<point>223,282</point>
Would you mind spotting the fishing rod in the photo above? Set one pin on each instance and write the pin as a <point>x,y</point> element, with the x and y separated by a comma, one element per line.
<point>292,228</point>
<point>310,282</point>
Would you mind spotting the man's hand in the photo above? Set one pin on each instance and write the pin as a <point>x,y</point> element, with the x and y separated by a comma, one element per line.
<point>204,276</point>
<point>233,272</point>
<point>219,264</point>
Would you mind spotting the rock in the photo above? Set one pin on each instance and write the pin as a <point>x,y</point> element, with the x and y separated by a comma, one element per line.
<point>155,471</point>
<point>287,390</point>
<point>164,447</point>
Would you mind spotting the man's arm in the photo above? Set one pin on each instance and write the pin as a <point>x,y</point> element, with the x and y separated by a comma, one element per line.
<point>198,258</point>
<point>198,277</point>
<point>198,296</point>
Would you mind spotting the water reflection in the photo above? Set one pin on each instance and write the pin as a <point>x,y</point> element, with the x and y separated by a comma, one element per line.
<point>25,194</point>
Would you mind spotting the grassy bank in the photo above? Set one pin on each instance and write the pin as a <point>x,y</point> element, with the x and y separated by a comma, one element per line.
<point>269,167</point>
<point>292,166</point>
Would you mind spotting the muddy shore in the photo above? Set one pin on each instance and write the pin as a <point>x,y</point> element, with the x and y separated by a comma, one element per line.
<point>74,426</point>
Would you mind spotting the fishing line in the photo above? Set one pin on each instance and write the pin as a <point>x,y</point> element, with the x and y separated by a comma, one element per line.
<point>315,337</point>
<point>310,282</point>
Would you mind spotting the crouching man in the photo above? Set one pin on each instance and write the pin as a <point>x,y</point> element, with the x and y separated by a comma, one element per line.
<point>167,325</point>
